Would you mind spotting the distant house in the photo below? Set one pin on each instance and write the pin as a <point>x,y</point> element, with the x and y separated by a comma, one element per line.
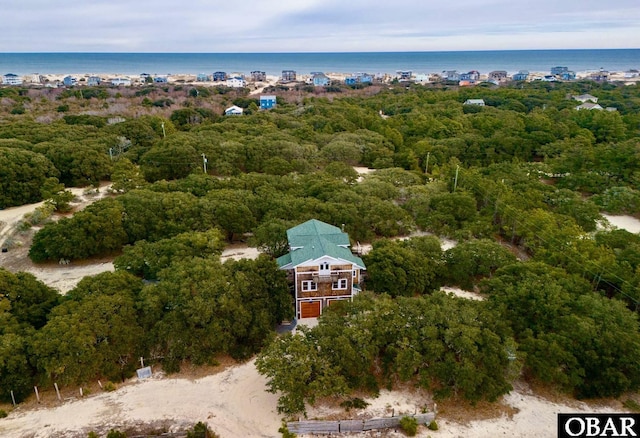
<point>478,102</point>
<point>69,81</point>
<point>557,71</point>
<point>94,80</point>
<point>160,80</point>
<point>589,106</point>
<point>359,78</point>
<point>451,75</point>
<point>568,75</point>
<point>233,111</point>
<point>320,80</point>
<point>202,77</point>
<point>267,102</point>
<point>422,78</point>
<point>219,76</point>
<point>633,73</point>
<point>11,79</point>
<point>522,75</point>
<point>321,267</point>
<point>498,75</point>
<point>549,78</point>
<point>258,76</point>
<point>404,75</point>
<point>288,76</point>
<point>473,75</point>
<point>120,81</point>
<point>235,82</point>
<point>145,77</point>
<point>601,76</point>
<point>586,98</point>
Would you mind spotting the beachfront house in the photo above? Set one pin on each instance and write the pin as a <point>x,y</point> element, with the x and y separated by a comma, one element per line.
<point>267,102</point>
<point>557,71</point>
<point>586,98</point>
<point>498,75</point>
<point>233,111</point>
<point>235,82</point>
<point>522,75</point>
<point>11,79</point>
<point>451,75</point>
<point>160,80</point>
<point>258,76</point>
<point>600,76</point>
<point>69,81</point>
<point>94,81</point>
<point>320,266</point>
<point>219,76</point>
<point>202,77</point>
<point>404,75</point>
<point>288,76</point>
<point>568,75</point>
<point>472,76</point>
<point>477,102</point>
<point>120,81</point>
<point>359,78</point>
<point>320,79</point>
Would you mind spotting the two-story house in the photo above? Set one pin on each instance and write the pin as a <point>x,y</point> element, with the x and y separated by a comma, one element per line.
<point>11,79</point>
<point>321,267</point>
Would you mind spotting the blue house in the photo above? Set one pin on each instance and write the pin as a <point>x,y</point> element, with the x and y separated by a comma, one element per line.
<point>267,102</point>
<point>219,76</point>
<point>160,80</point>
<point>522,75</point>
<point>69,81</point>
<point>94,80</point>
<point>568,75</point>
<point>202,77</point>
<point>321,80</point>
<point>557,71</point>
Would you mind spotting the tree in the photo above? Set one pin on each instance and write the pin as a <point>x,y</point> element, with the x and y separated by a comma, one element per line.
<point>22,173</point>
<point>271,237</point>
<point>469,260</point>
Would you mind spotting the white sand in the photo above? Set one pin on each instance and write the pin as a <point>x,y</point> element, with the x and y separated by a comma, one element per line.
<point>462,293</point>
<point>625,222</point>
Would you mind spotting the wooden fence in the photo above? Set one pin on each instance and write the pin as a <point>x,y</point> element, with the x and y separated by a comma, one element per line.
<point>329,427</point>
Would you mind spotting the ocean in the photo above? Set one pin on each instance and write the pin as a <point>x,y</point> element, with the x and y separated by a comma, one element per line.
<point>303,63</point>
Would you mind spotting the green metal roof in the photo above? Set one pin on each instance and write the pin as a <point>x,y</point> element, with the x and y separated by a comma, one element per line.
<point>314,239</point>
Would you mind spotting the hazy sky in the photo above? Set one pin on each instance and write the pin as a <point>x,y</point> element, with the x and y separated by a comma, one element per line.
<point>316,25</point>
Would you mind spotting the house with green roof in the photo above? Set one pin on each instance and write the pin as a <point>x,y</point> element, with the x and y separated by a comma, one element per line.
<point>321,267</point>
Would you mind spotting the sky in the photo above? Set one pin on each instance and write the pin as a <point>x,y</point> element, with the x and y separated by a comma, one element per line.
<point>316,25</point>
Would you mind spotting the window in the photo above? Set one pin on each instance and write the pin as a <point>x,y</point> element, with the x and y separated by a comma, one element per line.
<point>324,266</point>
<point>341,284</point>
<point>309,285</point>
<point>355,273</point>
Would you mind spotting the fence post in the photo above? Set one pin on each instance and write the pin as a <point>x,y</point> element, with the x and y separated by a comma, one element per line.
<point>37,395</point>
<point>57,391</point>
<point>13,399</point>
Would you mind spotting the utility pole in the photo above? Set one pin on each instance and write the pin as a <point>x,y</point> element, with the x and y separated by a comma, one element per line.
<point>164,134</point>
<point>204,163</point>
<point>455,181</point>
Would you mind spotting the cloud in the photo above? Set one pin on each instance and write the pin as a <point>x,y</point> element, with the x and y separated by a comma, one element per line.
<point>313,25</point>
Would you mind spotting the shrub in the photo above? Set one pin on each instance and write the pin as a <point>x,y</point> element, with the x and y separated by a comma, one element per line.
<point>92,434</point>
<point>3,413</point>
<point>409,425</point>
<point>433,425</point>
<point>632,405</point>
<point>109,387</point>
<point>285,432</point>
<point>354,403</point>
<point>116,434</point>
<point>201,430</point>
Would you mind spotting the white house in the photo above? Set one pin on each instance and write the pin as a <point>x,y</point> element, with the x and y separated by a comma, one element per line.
<point>11,79</point>
<point>120,81</point>
<point>589,106</point>
<point>479,102</point>
<point>236,82</point>
<point>233,111</point>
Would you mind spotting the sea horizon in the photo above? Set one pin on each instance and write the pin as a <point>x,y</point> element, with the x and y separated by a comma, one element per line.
<point>272,63</point>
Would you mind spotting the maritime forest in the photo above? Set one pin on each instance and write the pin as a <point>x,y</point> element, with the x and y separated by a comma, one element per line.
<point>519,183</point>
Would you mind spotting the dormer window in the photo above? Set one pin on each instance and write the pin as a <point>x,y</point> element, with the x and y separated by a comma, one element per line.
<point>324,266</point>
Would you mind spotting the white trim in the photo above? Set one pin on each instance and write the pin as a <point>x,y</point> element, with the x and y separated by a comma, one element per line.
<point>310,284</point>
